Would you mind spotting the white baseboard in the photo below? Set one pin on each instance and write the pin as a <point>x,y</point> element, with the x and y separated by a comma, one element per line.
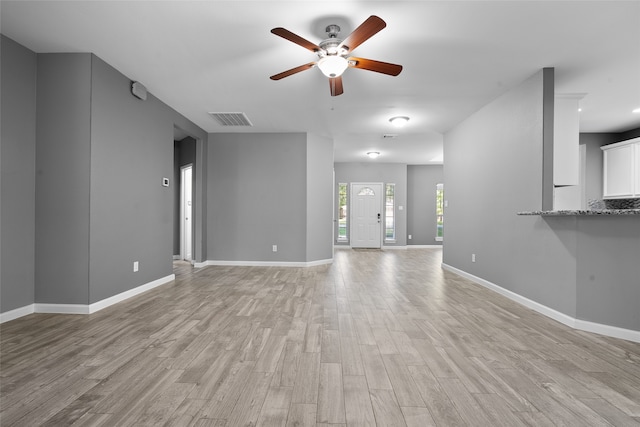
<point>264,263</point>
<point>16,313</point>
<point>97,306</point>
<point>83,308</point>
<point>385,247</point>
<point>583,325</point>
<point>62,308</point>
<point>177,257</point>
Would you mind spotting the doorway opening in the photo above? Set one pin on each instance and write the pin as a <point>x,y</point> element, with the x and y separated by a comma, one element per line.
<point>186,162</point>
<point>186,213</point>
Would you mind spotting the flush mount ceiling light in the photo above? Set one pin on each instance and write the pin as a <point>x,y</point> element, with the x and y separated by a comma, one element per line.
<point>373,154</point>
<point>399,121</point>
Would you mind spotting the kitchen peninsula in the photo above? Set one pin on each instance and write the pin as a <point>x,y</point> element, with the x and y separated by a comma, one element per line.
<point>584,212</point>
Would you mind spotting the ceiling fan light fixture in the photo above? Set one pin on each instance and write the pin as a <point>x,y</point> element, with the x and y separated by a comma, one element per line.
<point>373,154</point>
<point>399,121</point>
<point>332,66</point>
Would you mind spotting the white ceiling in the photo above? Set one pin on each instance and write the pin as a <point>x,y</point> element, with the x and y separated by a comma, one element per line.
<point>217,56</point>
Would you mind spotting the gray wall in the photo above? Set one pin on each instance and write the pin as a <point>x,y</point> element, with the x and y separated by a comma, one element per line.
<point>586,268</point>
<point>18,177</point>
<point>387,173</point>
<point>131,212</point>
<point>257,197</point>
<point>608,270</point>
<point>319,194</point>
<point>91,158</point>
<point>268,189</point>
<point>421,203</point>
<point>63,161</point>
<point>493,170</point>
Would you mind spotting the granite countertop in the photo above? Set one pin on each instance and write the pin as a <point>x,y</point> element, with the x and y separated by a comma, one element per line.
<point>594,212</point>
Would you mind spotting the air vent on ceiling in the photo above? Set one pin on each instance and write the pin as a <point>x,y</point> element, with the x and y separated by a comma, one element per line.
<point>389,135</point>
<point>231,119</point>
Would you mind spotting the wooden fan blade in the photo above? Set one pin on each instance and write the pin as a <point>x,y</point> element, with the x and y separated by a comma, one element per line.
<point>295,70</point>
<point>335,84</point>
<point>377,66</point>
<point>286,34</point>
<point>366,30</point>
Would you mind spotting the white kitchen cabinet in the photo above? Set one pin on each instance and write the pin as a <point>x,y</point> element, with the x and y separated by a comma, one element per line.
<point>637,167</point>
<point>566,135</point>
<point>621,169</point>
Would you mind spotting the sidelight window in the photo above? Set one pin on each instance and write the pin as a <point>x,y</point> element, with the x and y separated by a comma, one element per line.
<point>342,212</point>
<point>389,213</point>
<point>439,212</point>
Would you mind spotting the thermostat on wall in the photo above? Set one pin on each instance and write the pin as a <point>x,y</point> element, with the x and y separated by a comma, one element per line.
<point>165,182</point>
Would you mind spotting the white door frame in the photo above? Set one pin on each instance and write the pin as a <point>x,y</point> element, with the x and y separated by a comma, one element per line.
<point>351,208</point>
<point>186,212</point>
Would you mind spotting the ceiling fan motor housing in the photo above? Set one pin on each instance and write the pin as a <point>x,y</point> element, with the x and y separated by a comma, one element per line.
<point>331,45</point>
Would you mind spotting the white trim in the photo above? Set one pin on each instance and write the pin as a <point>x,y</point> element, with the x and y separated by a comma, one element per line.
<point>319,262</point>
<point>424,246</point>
<point>621,143</point>
<point>385,247</point>
<point>82,308</point>
<point>264,263</point>
<point>63,308</point>
<point>608,330</point>
<point>96,306</point>
<point>18,312</point>
<point>583,325</point>
<point>177,257</point>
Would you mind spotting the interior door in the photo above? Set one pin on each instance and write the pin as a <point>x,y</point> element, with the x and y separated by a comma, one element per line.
<point>366,215</point>
<point>186,213</point>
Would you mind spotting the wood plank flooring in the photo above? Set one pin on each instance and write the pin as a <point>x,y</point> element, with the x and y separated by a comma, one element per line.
<point>381,338</point>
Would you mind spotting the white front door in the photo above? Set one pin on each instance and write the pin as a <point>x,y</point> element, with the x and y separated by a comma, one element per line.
<point>366,215</point>
<point>186,222</point>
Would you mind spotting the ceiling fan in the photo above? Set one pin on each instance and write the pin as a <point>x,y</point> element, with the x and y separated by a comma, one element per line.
<point>333,53</point>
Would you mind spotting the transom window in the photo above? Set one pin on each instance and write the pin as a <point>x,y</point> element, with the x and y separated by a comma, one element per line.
<point>366,191</point>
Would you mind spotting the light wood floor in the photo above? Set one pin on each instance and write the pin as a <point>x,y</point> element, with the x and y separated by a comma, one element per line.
<point>381,338</point>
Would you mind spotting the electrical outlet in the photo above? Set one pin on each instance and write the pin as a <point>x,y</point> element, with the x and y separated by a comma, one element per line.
<point>473,257</point>
<point>274,248</point>
<point>136,266</point>
<point>409,236</point>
